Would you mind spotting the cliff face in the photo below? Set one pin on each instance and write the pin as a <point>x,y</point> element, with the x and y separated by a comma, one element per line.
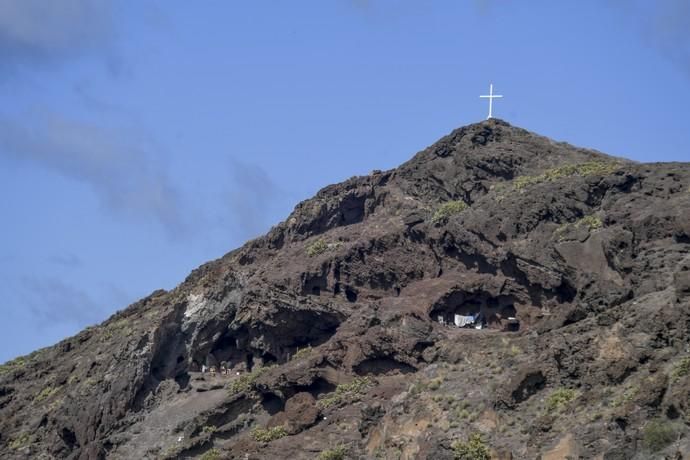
<point>339,324</point>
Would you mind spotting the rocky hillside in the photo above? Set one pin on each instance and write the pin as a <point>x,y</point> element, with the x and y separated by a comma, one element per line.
<point>569,270</point>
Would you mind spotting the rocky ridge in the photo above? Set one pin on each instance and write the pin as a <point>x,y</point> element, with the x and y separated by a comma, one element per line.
<point>338,324</point>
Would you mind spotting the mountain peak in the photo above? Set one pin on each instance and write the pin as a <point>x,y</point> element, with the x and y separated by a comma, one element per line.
<point>497,282</point>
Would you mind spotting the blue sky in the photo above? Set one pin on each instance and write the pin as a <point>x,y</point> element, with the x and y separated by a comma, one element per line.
<point>139,139</point>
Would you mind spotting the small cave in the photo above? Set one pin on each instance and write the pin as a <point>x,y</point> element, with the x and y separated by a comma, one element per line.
<point>229,351</point>
<point>672,413</point>
<point>182,379</point>
<point>352,209</point>
<point>292,329</point>
<point>318,387</point>
<point>476,310</point>
<point>527,385</point>
<point>272,404</point>
<point>383,366</point>
<point>69,438</point>
<point>350,294</point>
<point>314,284</point>
<point>268,359</point>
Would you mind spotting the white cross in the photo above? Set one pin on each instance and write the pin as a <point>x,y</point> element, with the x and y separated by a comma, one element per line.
<point>491,97</point>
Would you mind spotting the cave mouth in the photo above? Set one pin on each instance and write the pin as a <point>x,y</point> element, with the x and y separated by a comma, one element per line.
<point>476,310</point>
<point>383,366</point>
<point>272,403</point>
<point>239,351</point>
<point>318,387</point>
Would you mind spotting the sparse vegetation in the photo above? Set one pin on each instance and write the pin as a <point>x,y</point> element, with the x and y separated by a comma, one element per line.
<point>472,449</point>
<point>337,453</point>
<point>317,247</point>
<point>346,392</point>
<point>12,365</point>
<point>208,429</point>
<point>245,382</point>
<point>269,434</point>
<point>120,328</point>
<point>302,352</point>
<point>448,209</point>
<point>658,434</point>
<point>435,384</point>
<point>591,222</point>
<point>320,246</point>
<point>430,385</point>
<point>560,398</point>
<point>45,393</point>
<point>20,441</point>
<point>589,168</point>
<point>213,454</point>
<point>625,397</point>
<point>681,369</point>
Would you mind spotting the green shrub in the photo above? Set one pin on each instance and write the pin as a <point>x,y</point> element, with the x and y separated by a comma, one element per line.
<point>681,369</point>
<point>337,453</point>
<point>213,454</point>
<point>658,434</point>
<point>302,352</point>
<point>628,395</point>
<point>560,398</point>
<point>210,429</point>
<point>45,393</point>
<point>346,391</point>
<point>20,441</point>
<point>12,365</point>
<point>245,382</point>
<point>589,168</point>
<point>268,434</point>
<point>317,247</point>
<point>473,449</point>
<point>591,222</point>
<point>435,384</point>
<point>447,210</point>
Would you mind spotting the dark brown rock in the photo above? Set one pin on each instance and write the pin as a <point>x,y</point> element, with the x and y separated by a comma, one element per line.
<point>329,324</point>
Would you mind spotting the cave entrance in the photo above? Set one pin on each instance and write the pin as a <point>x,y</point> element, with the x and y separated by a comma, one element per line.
<point>476,310</point>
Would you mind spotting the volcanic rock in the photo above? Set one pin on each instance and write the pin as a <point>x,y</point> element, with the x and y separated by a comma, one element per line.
<point>338,327</point>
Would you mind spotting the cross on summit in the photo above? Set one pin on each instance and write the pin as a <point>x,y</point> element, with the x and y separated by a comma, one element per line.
<point>491,97</point>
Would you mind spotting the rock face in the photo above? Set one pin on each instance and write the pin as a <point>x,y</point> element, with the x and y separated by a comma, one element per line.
<point>339,331</point>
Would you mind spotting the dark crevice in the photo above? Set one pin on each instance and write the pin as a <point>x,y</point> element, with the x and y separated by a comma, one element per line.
<point>383,366</point>
<point>318,387</point>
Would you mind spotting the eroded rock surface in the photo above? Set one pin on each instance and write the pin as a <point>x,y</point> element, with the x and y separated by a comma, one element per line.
<point>338,327</point>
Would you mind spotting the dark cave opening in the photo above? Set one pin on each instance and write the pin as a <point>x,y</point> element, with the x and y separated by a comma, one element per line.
<point>383,366</point>
<point>272,403</point>
<point>350,294</point>
<point>476,310</point>
<point>318,387</point>
<point>268,358</point>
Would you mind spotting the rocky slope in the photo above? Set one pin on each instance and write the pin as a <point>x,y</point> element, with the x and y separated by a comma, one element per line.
<point>338,324</point>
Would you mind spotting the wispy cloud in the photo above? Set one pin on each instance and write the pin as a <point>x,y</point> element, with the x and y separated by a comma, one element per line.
<point>252,194</point>
<point>664,25</point>
<point>51,300</point>
<point>670,31</point>
<point>40,33</point>
<point>124,169</point>
<point>66,260</point>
